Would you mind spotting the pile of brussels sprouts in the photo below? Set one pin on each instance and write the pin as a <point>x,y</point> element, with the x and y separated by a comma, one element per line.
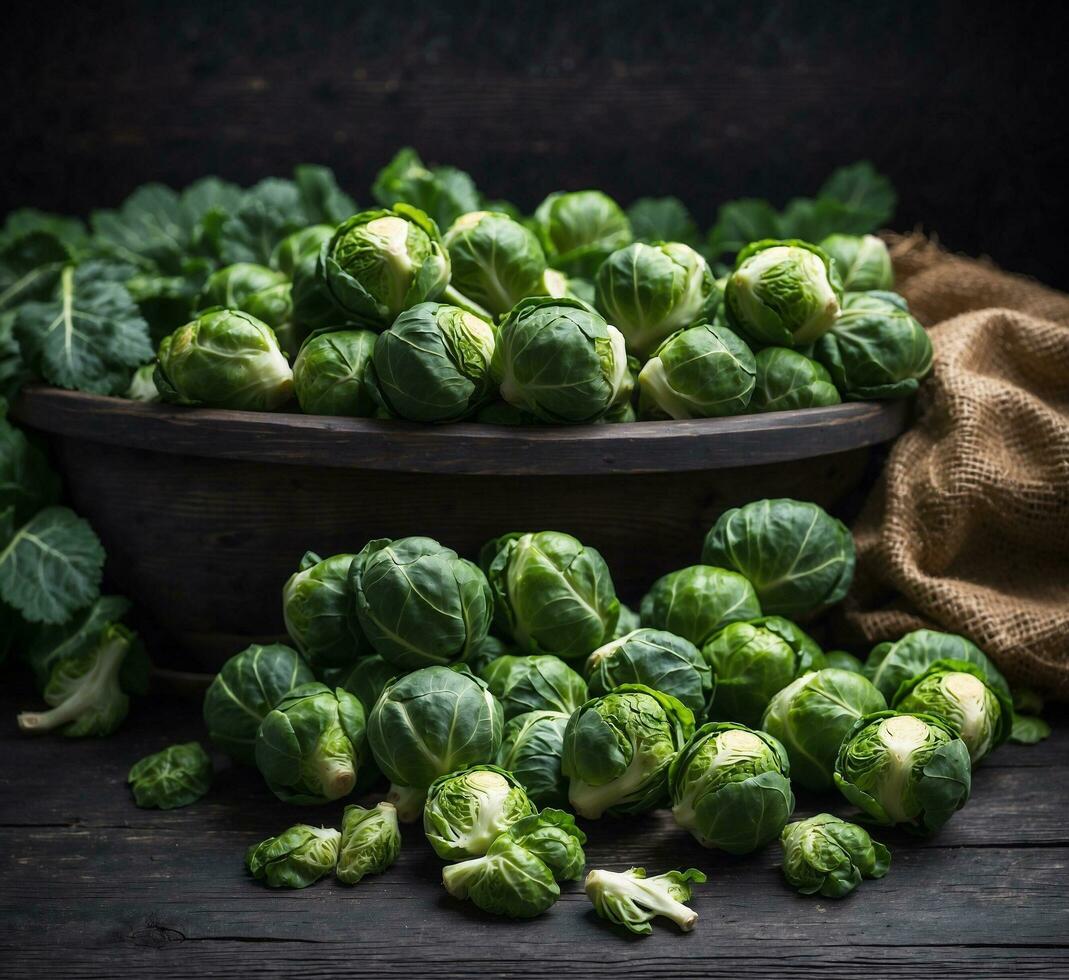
<point>439,310</point>
<point>502,699</point>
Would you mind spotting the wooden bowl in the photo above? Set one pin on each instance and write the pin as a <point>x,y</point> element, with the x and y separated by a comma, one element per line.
<point>206,513</point>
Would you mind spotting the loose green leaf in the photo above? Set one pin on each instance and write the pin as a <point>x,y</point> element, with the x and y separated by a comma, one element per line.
<point>27,482</point>
<point>662,219</point>
<point>1028,730</point>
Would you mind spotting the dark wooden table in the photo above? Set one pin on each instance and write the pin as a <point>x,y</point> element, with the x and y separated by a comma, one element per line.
<point>91,886</point>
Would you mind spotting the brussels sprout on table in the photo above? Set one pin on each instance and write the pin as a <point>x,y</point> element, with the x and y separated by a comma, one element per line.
<point>812,715</point>
<point>730,788</point>
<point>704,371</point>
<point>330,371</point>
<point>534,683</point>
<point>531,749</point>
<point>230,286</point>
<point>862,261</point>
<point>224,359</point>
<point>177,776</point>
<point>430,723</point>
<point>631,900</point>
<point>648,292</point>
<point>249,685</point>
<point>699,601</point>
<point>418,602</point>
<point>799,558</point>
<point>961,694</point>
<point>560,361</point>
<point>828,856</point>
<point>617,749</point>
<point>296,858</point>
<point>293,249</point>
<point>467,811</point>
<point>580,229</point>
<point>787,379</point>
<point>370,842</point>
<point>658,659</point>
<point>433,364</point>
<point>508,880</point>
<point>310,746</point>
<point>553,837</point>
<point>909,769</point>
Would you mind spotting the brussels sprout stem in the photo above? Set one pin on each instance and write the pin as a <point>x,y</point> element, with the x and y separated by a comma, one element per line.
<point>408,800</point>
<point>337,778</point>
<point>647,893</point>
<point>592,801</point>
<point>455,876</point>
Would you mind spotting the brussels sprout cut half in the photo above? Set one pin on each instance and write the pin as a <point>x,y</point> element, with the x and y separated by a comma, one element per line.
<point>632,900</point>
<point>296,858</point>
<point>828,856</point>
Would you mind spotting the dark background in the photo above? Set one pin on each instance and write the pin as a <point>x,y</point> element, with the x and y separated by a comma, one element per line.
<point>961,104</point>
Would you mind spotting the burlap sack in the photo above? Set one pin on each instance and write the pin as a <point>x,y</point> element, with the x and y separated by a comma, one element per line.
<point>968,529</point>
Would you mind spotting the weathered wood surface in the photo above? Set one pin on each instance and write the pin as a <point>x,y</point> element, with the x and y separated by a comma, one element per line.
<point>464,449</point>
<point>91,886</point>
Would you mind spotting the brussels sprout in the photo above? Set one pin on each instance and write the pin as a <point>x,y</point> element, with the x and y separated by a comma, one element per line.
<point>785,293</point>
<point>788,380</point>
<point>495,261</point>
<point>631,900</point>
<point>828,856</point>
<point>617,749</point>
<point>379,263</point>
<point>890,665</point>
<point>224,359</point>
<point>960,694</point>
<point>579,230</point>
<point>418,603</point>
<point>142,386</point>
<point>366,678</point>
<point>313,305</point>
<point>230,286</point>
<point>444,193</point>
<point>702,372</point>
<point>370,842</point>
<point>490,648</point>
<point>660,660</point>
<point>273,305</point>
<point>841,660</point>
<point>428,724</point>
<point>177,776</point>
<point>661,219</point>
<point>553,837</point>
<point>560,361</point>
<point>813,714</point>
<point>311,744</point>
<point>329,373</point>
<point>650,291</point>
<point>730,787</point>
<point>798,557</point>
<point>699,601</point>
<point>296,858</point>
<point>863,262</point>
<point>875,350</point>
<point>433,364</point>
<point>250,684</point>
<point>467,811</point>
<point>317,607</point>
<point>900,768</point>
<point>531,750</point>
<point>627,622</point>
<point>534,683</point>
<point>508,880</point>
<point>752,661</point>
<point>289,252</point>
<point>553,594</point>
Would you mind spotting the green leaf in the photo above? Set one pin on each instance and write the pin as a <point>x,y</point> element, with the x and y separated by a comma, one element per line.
<point>27,482</point>
<point>662,219</point>
<point>268,212</point>
<point>813,220</point>
<point>1028,729</point>
<point>864,192</point>
<point>51,566</point>
<point>444,193</point>
<point>323,201</point>
<point>740,222</point>
<point>74,637</point>
<point>13,372</point>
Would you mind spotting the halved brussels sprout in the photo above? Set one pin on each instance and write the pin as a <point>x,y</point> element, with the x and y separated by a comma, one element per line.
<point>467,811</point>
<point>177,776</point>
<point>617,749</point>
<point>730,787</point>
<point>631,900</point>
<point>702,372</point>
<point>658,659</point>
<point>296,858</point>
<point>961,694</point>
<point>828,856</point>
<point>508,880</point>
<point>560,361</point>
<point>428,724</point>
<point>553,594</point>
<point>310,746</point>
<point>901,768</point>
<point>650,291</point>
<point>875,350</point>
<point>495,261</point>
<point>812,715</point>
<point>370,842</point>
<point>289,252</point>
<point>329,374</point>
<point>534,683</point>
<point>699,601</point>
<point>224,359</point>
<point>785,293</point>
<point>379,263</point>
<point>863,262</point>
<point>250,684</point>
<point>231,285</point>
<point>788,380</point>
<point>433,364</point>
<point>553,837</point>
<point>799,558</point>
<point>418,602</point>
<point>531,750</point>
<point>580,229</point>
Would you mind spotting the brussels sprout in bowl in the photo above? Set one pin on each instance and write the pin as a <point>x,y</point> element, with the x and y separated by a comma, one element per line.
<point>786,379</point>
